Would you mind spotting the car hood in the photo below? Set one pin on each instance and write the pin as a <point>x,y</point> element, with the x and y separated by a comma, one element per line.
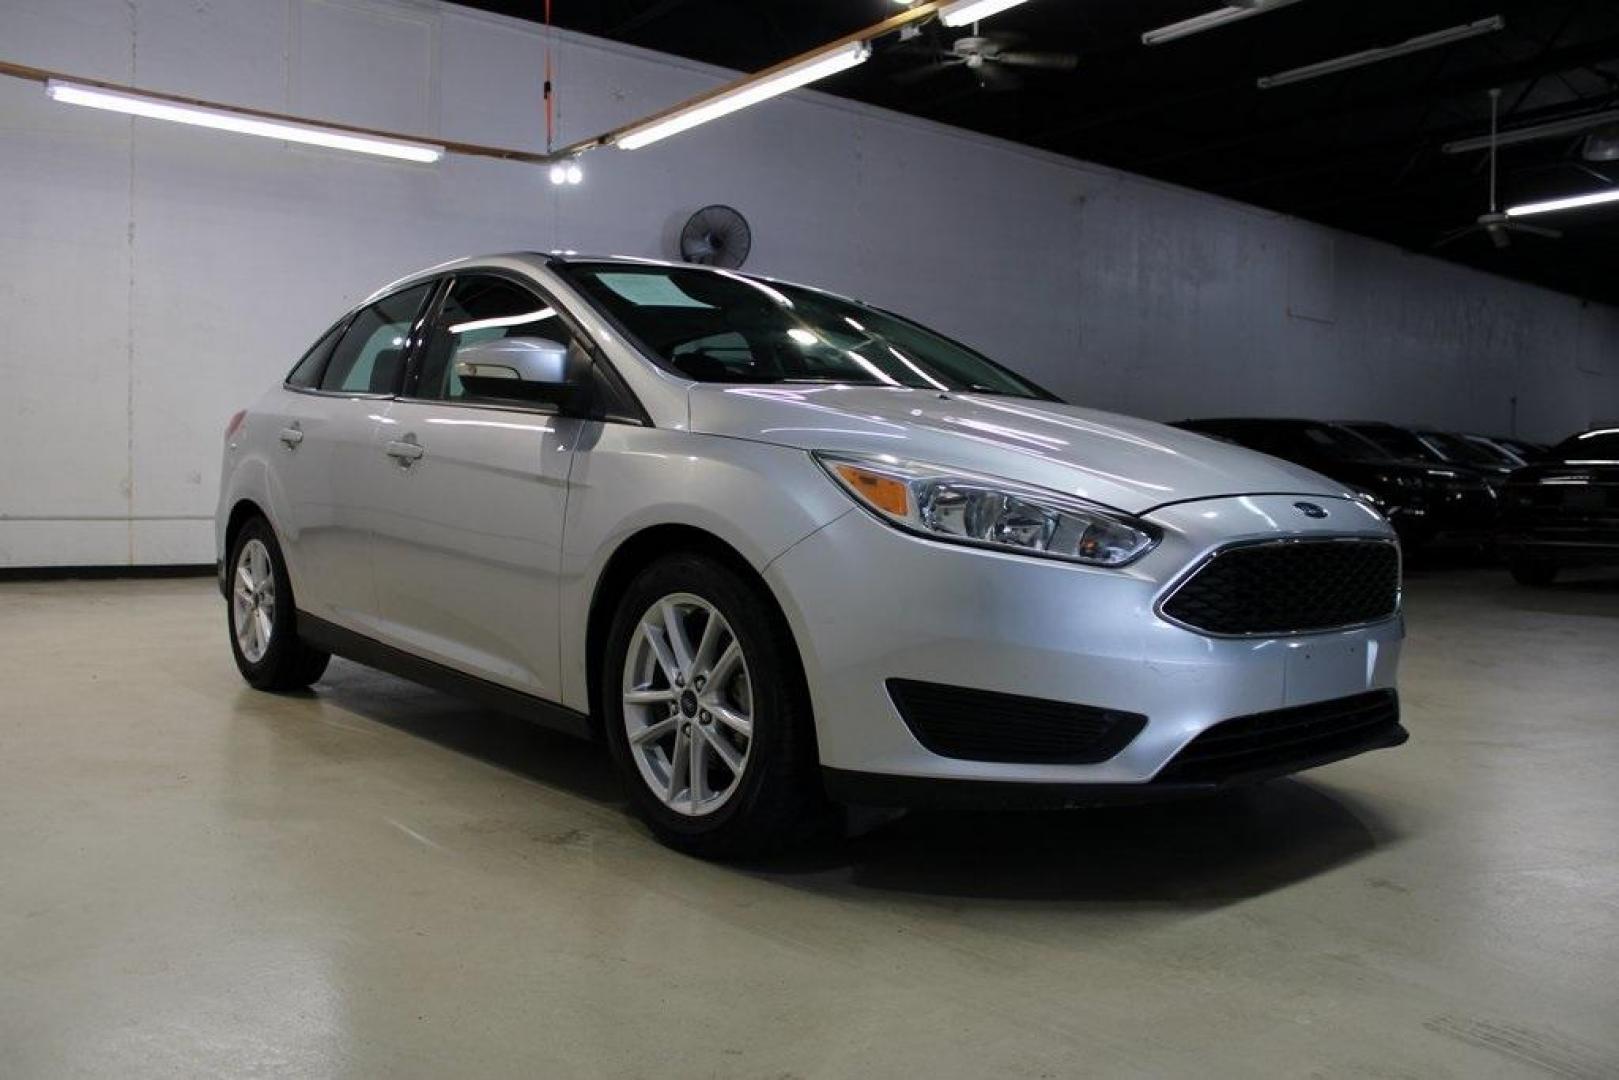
<point>1132,465</point>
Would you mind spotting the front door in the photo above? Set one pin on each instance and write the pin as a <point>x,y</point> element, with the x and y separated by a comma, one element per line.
<point>470,497</point>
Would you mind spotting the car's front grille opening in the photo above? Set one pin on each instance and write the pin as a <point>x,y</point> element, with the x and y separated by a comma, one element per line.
<point>1289,587</point>
<point>1287,739</point>
<point>981,725</point>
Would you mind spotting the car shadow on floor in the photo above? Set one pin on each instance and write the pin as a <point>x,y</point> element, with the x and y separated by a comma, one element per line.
<point>1194,852</point>
<point>518,746</point>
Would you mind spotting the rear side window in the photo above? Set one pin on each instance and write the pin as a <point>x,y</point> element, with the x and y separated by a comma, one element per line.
<point>371,353</point>
<point>307,374</point>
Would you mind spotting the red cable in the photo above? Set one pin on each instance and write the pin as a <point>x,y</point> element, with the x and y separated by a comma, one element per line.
<point>550,122</point>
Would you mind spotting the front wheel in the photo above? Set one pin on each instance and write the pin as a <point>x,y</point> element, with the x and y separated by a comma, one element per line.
<point>705,712</point>
<point>263,620</point>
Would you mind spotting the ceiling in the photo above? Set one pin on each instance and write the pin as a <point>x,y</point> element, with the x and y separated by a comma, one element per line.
<point>1359,150</point>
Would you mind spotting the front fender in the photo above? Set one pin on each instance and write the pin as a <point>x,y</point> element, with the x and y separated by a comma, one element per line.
<point>758,499</point>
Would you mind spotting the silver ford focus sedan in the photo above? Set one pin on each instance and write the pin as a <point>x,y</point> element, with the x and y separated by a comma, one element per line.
<point>783,550</point>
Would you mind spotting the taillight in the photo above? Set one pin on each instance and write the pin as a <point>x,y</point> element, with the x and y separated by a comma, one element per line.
<point>235,424</point>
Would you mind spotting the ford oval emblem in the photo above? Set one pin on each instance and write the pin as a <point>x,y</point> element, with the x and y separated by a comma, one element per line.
<point>1310,510</point>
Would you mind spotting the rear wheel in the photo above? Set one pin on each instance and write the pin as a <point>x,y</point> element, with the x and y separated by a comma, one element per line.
<point>1535,572</point>
<point>263,619</point>
<point>705,712</point>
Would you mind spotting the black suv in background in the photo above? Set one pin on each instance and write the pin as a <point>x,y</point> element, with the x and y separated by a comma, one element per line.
<point>1563,509</point>
<point>1421,500</point>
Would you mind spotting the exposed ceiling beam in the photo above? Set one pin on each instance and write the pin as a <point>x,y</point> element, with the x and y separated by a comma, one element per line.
<point>1564,59</point>
<point>1459,86</point>
<point>1549,129</point>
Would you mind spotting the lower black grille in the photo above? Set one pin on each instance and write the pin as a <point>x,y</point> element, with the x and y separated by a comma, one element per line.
<point>979,725</point>
<point>1289,587</point>
<point>1288,739</point>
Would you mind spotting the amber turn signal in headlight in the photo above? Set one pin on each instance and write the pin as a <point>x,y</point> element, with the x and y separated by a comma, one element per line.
<point>882,492</point>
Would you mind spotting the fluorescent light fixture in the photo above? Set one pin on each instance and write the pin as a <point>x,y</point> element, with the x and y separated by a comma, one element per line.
<point>1211,19</point>
<point>1573,202</point>
<point>1477,28</point>
<point>749,93</point>
<point>1551,129</point>
<point>963,12</point>
<point>157,108</point>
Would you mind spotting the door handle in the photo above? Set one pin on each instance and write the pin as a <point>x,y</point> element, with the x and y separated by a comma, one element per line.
<point>406,453</point>
<point>291,437</point>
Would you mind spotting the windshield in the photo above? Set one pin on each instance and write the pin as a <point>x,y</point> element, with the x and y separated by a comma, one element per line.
<point>1396,442</point>
<point>1452,448</point>
<point>717,326</point>
<point>1600,446</point>
<point>1336,441</point>
<point>1497,451</point>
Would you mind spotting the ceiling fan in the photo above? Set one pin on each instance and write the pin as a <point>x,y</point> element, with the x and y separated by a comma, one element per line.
<point>1494,223</point>
<point>989,58</point>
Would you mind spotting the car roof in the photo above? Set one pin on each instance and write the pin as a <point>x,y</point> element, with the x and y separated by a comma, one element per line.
<point>566,257</point>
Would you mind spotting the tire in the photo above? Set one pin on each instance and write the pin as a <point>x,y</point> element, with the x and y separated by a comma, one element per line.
<point>252,609</point>
<point>775,798</point>
<point>1533,572</point>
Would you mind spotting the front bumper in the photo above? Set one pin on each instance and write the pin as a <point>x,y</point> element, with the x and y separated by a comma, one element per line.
<point>918,792</point>
<point>868,603</point>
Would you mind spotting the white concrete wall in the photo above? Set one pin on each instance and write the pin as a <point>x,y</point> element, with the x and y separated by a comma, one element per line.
<point>156,278</point>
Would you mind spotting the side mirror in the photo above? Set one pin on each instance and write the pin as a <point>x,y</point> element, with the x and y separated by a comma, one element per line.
<point>526,369</point>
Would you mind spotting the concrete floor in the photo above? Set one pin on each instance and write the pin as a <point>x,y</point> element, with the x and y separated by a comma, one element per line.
<point>201,880</point>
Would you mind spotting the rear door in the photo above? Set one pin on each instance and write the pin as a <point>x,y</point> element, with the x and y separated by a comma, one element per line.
<point>327,424</point>
<point>471,495</point>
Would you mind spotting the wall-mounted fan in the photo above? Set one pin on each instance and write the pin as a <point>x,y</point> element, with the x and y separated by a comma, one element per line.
<point>716,236</point>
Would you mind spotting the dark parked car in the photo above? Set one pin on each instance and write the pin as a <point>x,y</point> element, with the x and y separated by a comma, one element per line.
<point>1563,510</point>
<point>1420,499</point>
<point>1434,448</point>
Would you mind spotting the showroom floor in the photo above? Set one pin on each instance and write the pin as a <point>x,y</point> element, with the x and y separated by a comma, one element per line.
<point>197,879</point>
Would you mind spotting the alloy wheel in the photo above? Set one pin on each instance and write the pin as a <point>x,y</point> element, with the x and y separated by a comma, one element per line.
<point>688,704</point>
<point>253,600</point>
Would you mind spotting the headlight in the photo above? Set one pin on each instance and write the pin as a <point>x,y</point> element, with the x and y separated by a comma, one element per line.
<point>987,512</point>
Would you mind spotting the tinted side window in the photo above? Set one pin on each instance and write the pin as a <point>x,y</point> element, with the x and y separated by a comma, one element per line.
<point>307,373</point>
<point>482,308</point>
<point>369,357</point>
